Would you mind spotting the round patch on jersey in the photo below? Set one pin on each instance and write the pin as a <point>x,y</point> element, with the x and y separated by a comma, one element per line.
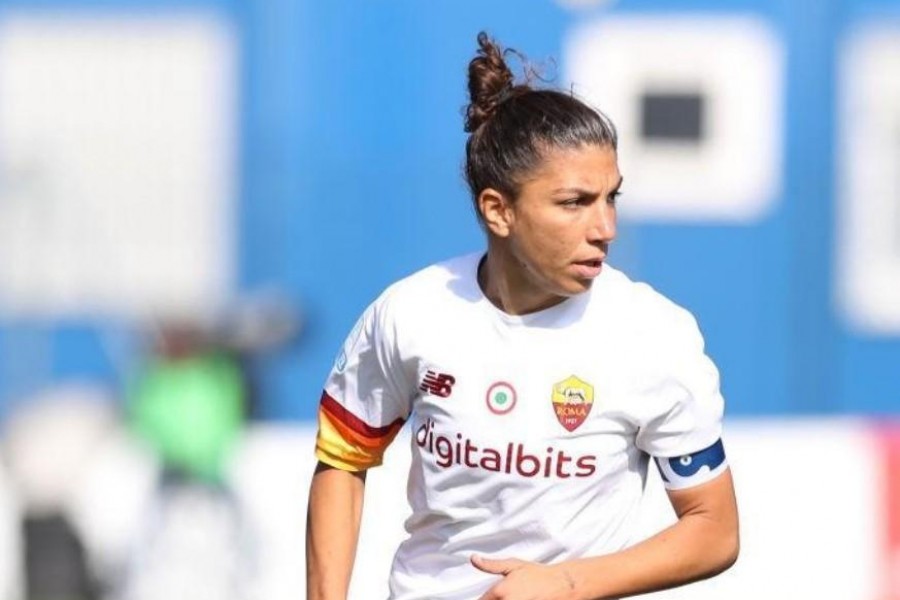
<point>501,398</point>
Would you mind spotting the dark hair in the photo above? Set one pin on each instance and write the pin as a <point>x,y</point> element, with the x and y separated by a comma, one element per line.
<point>511,125</point>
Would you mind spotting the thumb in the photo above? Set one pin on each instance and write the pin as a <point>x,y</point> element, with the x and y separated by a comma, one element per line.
<point>497,566</point>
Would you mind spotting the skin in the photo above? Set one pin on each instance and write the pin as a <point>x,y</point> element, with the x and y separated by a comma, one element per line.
<point>332,531</point>
<point>544,246</point>
<point>548,244</point>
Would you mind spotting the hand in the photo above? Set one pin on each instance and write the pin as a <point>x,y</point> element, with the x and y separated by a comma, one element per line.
<point>526,580</point>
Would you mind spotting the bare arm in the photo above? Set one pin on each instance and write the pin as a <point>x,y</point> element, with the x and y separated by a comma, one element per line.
<point>332,531</point>
<point>701,544</point>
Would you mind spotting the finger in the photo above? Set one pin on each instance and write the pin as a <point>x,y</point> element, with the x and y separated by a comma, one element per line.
<point>502,566</point>
<point>493,593</point>
<point>489,595</point>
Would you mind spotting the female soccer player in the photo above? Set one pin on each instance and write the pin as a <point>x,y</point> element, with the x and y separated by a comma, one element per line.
<point>538,381</point>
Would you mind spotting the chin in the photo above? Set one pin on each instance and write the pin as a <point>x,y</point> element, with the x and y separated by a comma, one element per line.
<point>575,287</point>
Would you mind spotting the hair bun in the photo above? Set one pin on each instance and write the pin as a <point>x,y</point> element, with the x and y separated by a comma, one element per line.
<point>490,82</point>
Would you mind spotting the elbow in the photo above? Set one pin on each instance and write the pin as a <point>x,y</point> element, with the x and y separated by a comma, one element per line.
<point>733,553</point>
<point>729,550</point>
<point>719,552</point>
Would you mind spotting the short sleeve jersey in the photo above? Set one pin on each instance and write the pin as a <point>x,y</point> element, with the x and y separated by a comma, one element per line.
<point>530,435</point>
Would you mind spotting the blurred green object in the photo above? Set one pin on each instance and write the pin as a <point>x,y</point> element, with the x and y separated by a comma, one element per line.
<point>191,411</point>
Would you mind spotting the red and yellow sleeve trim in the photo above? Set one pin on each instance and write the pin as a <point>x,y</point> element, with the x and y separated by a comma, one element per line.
<point>347,442</point>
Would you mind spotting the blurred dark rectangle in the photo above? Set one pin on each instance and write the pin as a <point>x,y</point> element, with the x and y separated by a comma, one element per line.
<point>667,116</point>
<point>56,564</point>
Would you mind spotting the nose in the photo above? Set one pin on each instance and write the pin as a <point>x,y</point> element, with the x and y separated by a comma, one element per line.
<point>603,224</point>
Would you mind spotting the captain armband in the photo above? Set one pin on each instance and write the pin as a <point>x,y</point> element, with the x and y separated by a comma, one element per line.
<point>686,471</point>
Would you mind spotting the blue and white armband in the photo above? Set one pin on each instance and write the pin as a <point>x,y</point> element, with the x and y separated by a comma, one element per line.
<point>686,471</point>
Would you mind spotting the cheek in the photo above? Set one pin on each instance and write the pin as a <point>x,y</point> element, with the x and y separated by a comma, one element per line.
<point>547,243</point>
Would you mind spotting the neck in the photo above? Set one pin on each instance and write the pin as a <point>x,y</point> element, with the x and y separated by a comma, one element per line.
<point>505,281</point>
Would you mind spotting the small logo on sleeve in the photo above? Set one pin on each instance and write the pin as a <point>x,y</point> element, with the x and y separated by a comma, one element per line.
<point>437,384</point>
<point>340,361</point>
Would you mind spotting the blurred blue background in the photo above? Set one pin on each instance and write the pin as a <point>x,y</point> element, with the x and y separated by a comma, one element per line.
<point>199,197</point>
<point>348,176</point>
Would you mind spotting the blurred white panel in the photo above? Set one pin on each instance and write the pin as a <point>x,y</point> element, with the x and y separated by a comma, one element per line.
<point>698,102</point>
<point>113,500</point>
<point>12,566</point>
<point>271,474</point>
<point>868,198</point>
<point>117,163</point>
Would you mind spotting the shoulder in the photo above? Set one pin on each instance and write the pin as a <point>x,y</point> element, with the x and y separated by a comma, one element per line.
<point>647,312</point>
<point>428,290</point>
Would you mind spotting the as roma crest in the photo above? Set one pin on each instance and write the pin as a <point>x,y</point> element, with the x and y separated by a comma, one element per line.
<point>572,401</point>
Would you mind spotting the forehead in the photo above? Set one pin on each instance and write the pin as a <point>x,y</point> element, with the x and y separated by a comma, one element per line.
<point>587,166</point>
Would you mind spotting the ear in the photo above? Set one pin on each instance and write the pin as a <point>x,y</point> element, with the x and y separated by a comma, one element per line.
<point>496,211</point>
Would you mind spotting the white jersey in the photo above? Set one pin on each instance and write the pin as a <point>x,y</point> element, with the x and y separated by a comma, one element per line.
<point>530,434</point>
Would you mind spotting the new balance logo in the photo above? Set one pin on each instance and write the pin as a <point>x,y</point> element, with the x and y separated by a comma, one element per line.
<point>437,384</point>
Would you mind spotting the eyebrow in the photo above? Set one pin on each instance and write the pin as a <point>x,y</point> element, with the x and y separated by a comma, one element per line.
<point>583,192</point>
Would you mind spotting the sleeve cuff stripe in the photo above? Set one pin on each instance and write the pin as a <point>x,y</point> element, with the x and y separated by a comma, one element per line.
<point>341,414</point>
<point>354,438</point>
<point>332,443</point>
<point>344,463</point>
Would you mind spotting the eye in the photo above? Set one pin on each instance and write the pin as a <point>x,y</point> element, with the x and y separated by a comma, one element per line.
<point>576,202</point>
<point>613,198</point>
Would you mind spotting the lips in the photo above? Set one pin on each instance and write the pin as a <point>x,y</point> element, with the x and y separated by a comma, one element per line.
<point>588,269</point>
<point>594,262</point>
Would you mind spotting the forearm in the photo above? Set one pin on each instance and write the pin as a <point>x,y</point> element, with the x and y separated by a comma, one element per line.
<point>675,556</point>
<point>702,543</point>
<point>332,531</point>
